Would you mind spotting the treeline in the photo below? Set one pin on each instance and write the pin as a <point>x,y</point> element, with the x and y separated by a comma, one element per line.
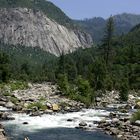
<point>26,63</point>
<point>112,65</point>
<point>82,74</point>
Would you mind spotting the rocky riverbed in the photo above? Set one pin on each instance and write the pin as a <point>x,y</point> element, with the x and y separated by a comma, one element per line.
<point>39,100</point>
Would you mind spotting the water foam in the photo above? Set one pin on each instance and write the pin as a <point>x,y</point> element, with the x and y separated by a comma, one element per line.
<point>57,120</point>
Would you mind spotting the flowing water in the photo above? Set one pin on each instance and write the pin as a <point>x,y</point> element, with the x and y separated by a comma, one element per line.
<point>56,127</point>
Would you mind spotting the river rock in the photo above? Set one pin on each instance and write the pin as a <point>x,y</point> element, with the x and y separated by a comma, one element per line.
<point>48,111</point>
<point>25,123</point>
<point>82,124</point>
<point>6,116</point>
<point>137,106</point>
<point>49,105</point>
<point>3,99</point>
<point>55,107</point>
<point>9,105</point>
<point>17,108</point>
<point>2,103</point>
<point>35,114</point>
<point>137,123</point>
<point>69,120</point>
<point>112,115</point>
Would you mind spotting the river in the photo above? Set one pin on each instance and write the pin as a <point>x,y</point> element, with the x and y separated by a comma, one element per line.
<point>56,126</point>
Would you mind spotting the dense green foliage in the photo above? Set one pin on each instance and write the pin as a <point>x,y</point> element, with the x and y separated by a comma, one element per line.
<point>136,116</point>
<point>45,6</point>
<point>26,63</point>
<point>4,67</point>
<point>124,90</point>
<point>81,73</point>
<point>39,106</point>
<point>120,71</point>
<point>95,26</point>
<point>79,89</point>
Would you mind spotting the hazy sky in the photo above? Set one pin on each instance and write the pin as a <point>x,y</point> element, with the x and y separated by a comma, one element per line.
<point>79,9</point>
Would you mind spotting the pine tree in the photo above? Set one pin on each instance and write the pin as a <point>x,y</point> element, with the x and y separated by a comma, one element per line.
<point>108,39</point>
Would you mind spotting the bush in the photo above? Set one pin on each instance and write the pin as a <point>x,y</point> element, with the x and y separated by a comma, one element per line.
<point>6,94</point>
<point>124,91</point>
<point>14,100</point>
<point>135,116</point>
<point>63,84</point>
<point>18,85</point>
<point>39,105</point>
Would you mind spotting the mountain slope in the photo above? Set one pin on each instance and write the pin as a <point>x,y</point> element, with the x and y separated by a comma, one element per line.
<point>46,7</point>
<point>95,26</point>
<point>133,37</point>
<point>37,23</point>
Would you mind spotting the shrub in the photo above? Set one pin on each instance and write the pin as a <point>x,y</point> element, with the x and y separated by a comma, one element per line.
<point>14,100</point>
<point>135,116</point>
<point>6,94</point>
<point>63,84</point>
<point>124,91</point>
<point>39,105</point>
<point>18,85</point>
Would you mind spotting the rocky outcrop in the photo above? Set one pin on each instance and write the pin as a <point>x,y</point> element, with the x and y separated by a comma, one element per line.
<point>2,133</point>
<point>33,28</point>
<point>121,128</point>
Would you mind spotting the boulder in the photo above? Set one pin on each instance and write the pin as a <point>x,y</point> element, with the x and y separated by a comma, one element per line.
<point>128,107</point>
<point>9,105</point>
<point>67,108</point>
<point>28,111</point>
<point>30,85</point>
<point>137,123</point>
<point>3,99</point>
<point>25,123</point>
<point>48,111</point>
<point>49,105</point>
<point>16,108</point>
<point>55,107</point>
<point>35,114</point>
<point>137,106</point>
<point>35,108</point>
<point>98,99</point>
<point>2,103</point>
<point>5,116</point>
<point>69,120</point>
<point>114,131</point>
<point>82,124</point>
<point>112,115</point>
<point>123,110</point>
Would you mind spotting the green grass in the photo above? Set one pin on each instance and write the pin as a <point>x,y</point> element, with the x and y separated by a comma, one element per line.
<point>14,85</point>
<point>137,100</point>
<point>14,100</point>
<point>135,116</point>
<point>6,94</point>
<point>39,105</point>
<point>18,85</point>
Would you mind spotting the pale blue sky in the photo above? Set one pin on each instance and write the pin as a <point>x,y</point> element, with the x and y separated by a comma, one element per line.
<point>80,9</point>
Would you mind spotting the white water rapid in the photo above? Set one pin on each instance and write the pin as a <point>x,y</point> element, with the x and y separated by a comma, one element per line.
<point>57,120</point>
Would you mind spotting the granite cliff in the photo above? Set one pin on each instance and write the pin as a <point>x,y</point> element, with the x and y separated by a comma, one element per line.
<point>29,27</point>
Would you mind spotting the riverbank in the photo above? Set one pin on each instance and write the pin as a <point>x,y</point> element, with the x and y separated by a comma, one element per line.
<point>2,133</point>
<point>39,99</point>
<point>43,106</point>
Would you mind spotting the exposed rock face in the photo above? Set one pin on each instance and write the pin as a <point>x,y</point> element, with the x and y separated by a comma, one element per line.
<point>33,28</point>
